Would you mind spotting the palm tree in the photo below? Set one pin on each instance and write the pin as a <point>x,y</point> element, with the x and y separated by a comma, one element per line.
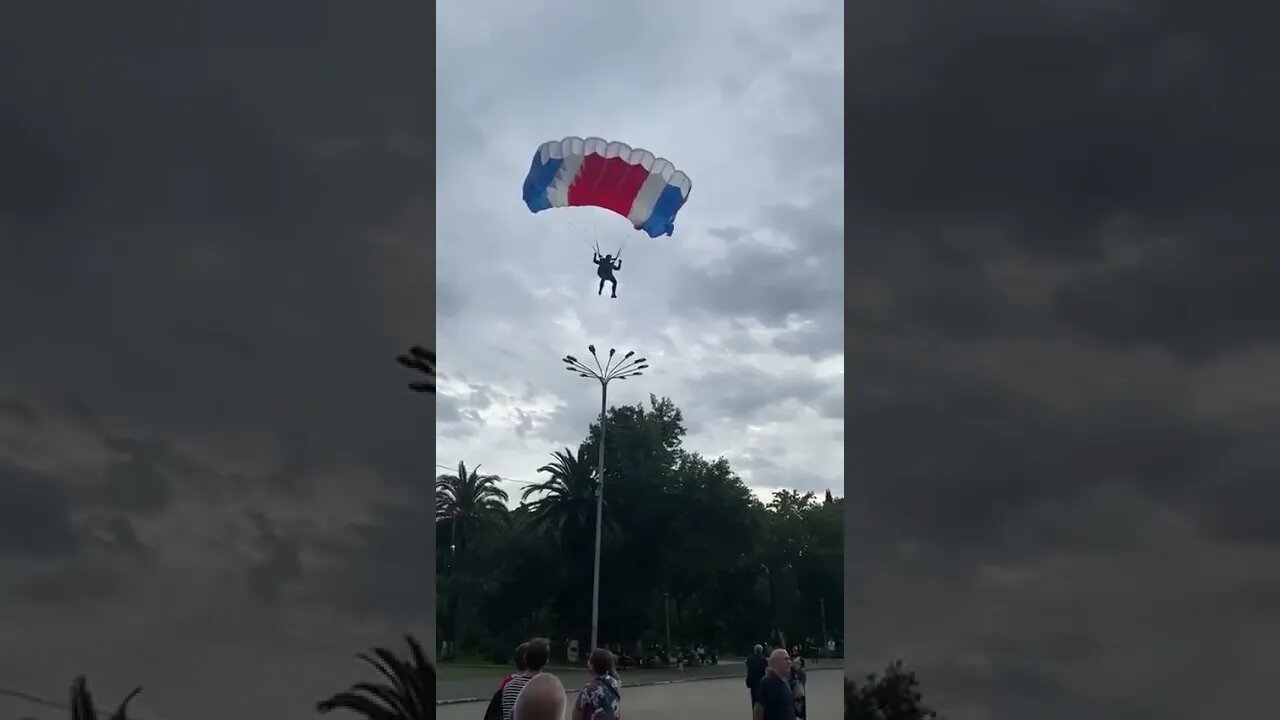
<point>568,501</point>
<point>423,361</point>
<point>469,502</point>
<point>409,694</point>
<point>82,707</point>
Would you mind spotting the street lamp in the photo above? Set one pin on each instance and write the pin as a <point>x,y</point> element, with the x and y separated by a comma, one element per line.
<point>822,608</point>
<point>619,369</point>
<point>666,611</point>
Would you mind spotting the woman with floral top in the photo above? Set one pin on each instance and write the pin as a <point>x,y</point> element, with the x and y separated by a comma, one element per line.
<point>601,697</point>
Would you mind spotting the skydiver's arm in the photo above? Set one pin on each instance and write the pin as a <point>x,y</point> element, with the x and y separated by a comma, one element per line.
<point>618,266</point>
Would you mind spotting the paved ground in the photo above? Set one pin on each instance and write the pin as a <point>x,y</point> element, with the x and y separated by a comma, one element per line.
<point>703,699</point>
<point>469,681</point>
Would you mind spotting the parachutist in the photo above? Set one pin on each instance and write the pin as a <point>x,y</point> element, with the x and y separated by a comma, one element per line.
<point>605,267</point>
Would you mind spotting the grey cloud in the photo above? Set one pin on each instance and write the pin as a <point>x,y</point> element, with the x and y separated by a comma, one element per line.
<point>821,338</point>
<point>280,560</point>
<point>1235,501</point>
<point>35,514</point>
<point>447,409</point>
<point>783,282</point>
<point>379,571</point>
<point>201,309</point>
<point>120,534</point>
<point>1196,295</point>
<point>1062,205</point>
<point>135,486</point>
<point>743,393</point>
<point>19,410</point>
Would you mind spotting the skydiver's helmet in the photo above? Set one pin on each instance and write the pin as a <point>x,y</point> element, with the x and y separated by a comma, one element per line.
<point>608,258</point>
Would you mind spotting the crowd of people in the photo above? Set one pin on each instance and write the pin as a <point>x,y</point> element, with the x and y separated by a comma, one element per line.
<point>532,693</point>
<point>776,683</point>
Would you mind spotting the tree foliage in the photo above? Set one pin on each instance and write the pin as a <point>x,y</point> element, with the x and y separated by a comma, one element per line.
<point>409,692</point>
<point>893,695</point>
<point>678,525</point>
<point>423,362</point>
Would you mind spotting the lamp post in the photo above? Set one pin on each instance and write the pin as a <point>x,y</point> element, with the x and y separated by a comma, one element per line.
<point>822,608</point>
<point>666,611</point>
<point>620,369</point>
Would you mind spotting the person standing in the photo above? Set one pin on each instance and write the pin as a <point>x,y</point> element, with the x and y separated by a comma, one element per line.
<point>536,654</point>
<point>521,666</point>
<point>774,700</point>
<point>601,697</point>
<point>756,666</point>
<point>797,679</point>
<point>494,711</point>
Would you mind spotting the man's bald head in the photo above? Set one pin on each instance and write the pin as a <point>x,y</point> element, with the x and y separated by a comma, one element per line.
<point>779,661</point>
<point>542,698</point>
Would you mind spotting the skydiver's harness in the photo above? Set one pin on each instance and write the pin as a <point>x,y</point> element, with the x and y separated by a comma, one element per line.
<point>605,270</point>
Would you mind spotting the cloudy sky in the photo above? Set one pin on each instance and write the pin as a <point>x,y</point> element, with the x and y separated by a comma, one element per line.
<point>1064,367</point>
<point>214,239</point>
<point>739,312</point>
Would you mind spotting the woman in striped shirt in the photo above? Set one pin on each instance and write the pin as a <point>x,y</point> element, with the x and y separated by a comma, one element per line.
<point>536,654</point>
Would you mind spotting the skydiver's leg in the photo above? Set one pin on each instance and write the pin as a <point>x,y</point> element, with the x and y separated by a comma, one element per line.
<point>600,290</point>
<point>613,287</point>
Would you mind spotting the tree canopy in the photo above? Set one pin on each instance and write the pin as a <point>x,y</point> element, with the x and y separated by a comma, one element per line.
<point>677,526</point>
<point>891,695</point>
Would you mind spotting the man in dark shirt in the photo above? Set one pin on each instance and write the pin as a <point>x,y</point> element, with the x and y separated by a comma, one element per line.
<point>756,665</point>
<point>774,700</point>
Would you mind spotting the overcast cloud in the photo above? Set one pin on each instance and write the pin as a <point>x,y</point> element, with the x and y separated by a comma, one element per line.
<point>1063,356</point>
<point>739,313</point>
<point>214,238</point>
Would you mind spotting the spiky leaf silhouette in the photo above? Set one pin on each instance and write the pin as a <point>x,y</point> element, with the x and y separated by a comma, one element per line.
<point>424,361</point>
<point>408,694</point>
<point>82,707</point>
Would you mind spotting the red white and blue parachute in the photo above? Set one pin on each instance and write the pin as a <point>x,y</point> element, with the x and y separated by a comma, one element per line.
<point>634,183</point>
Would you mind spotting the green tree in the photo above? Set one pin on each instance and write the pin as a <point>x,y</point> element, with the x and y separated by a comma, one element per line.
<point>893,695</point>
<point>677,524</point>
<point>567,502</point>
<point>471,504</point>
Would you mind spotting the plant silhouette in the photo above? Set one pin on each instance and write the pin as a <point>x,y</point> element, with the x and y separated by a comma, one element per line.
<point>894,695</point>
<point>422,361</point>
<point>408,694</point>
<point>82,707</point>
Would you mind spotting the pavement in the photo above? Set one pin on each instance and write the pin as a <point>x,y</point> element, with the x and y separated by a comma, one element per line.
<point>464,683</point>
<point>706,699</point>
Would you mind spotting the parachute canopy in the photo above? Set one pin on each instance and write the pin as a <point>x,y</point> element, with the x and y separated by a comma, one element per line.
<point>633,183</point>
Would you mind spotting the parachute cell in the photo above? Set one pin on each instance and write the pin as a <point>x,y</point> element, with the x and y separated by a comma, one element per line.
<point>631,182</point>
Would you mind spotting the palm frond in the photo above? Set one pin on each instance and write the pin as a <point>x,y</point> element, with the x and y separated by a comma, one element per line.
<point>423,361</point>
<point>408,694</point>
<point>82,707</point>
